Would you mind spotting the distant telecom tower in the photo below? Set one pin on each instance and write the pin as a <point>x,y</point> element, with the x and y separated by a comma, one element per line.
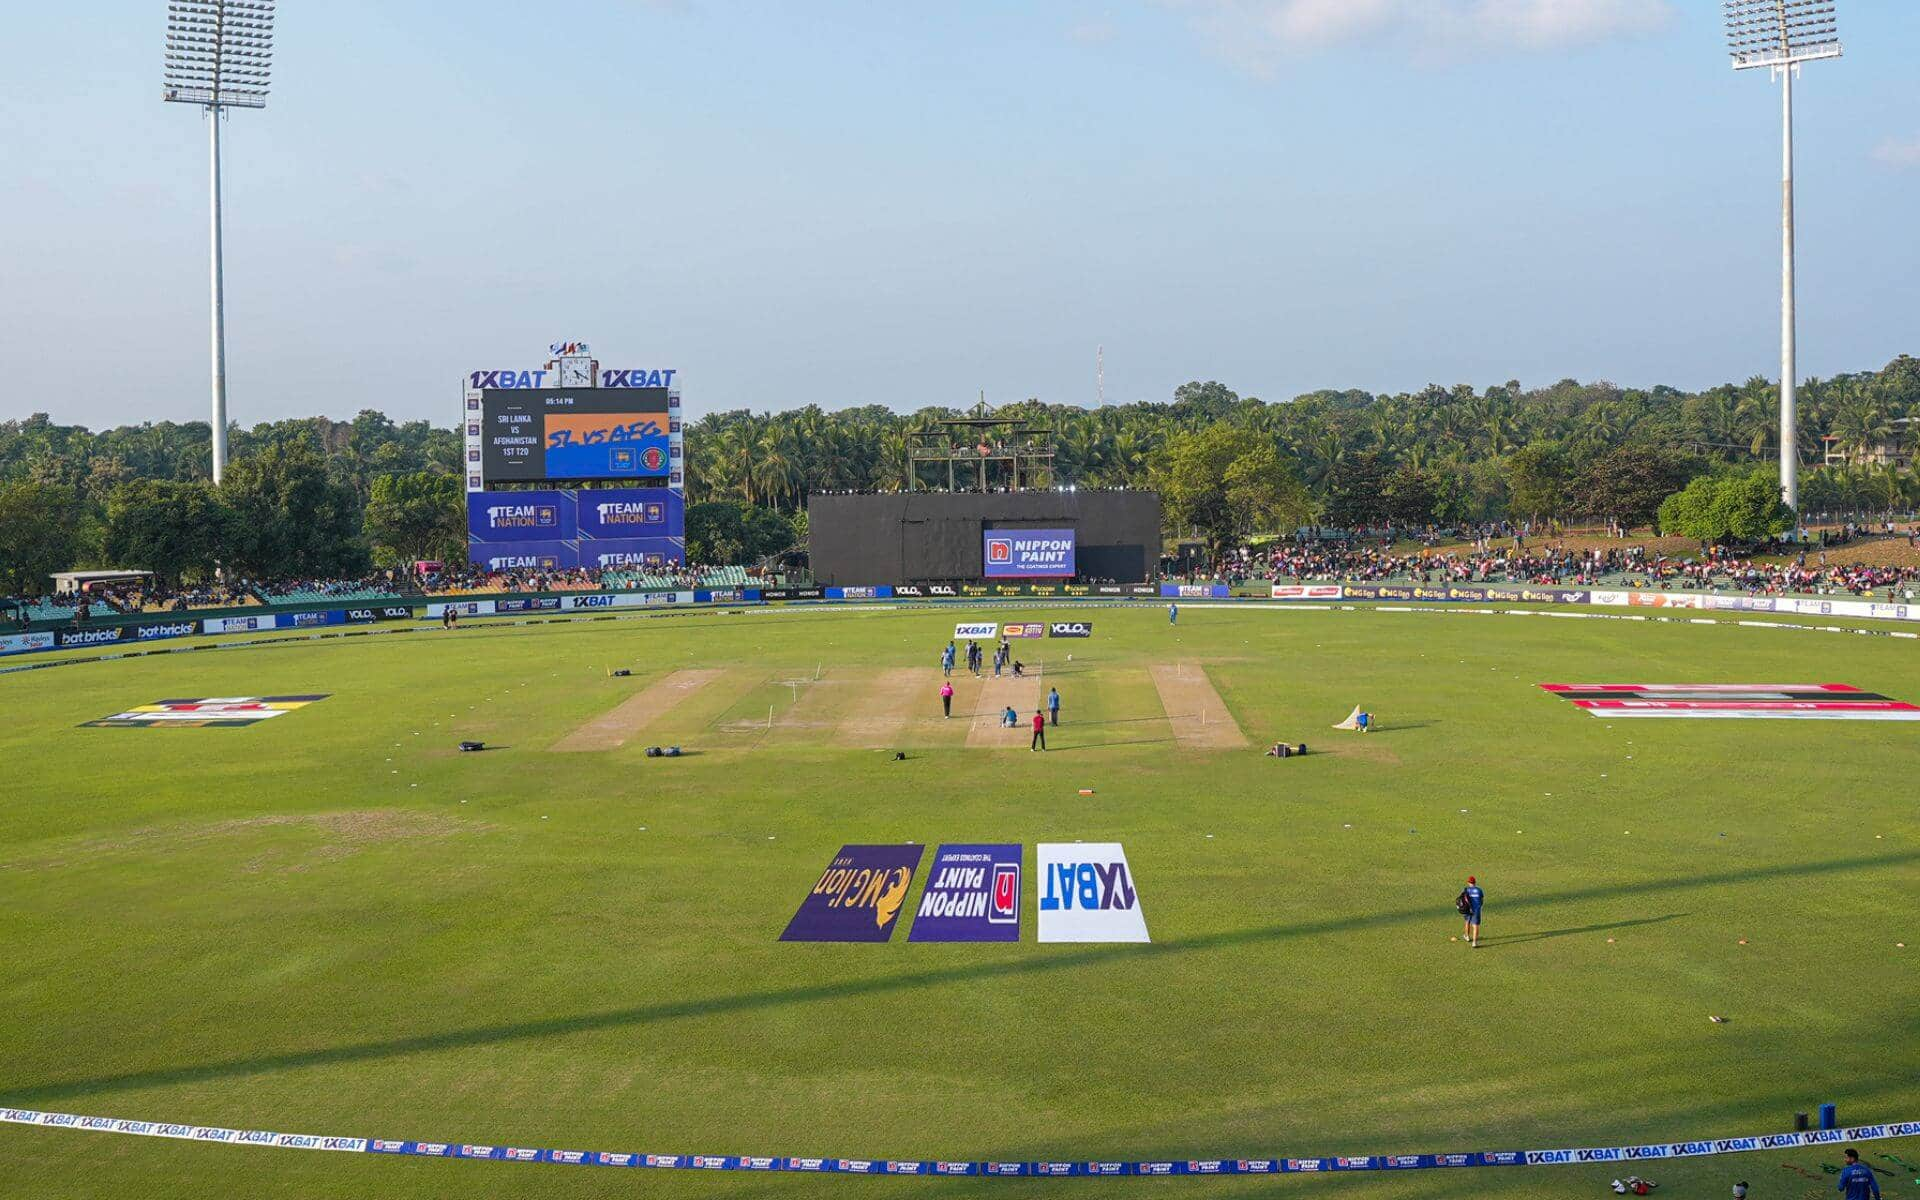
<point>219,56</point>
<point>1780,35</point>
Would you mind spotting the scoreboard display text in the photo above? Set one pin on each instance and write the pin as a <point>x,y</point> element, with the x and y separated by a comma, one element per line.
<point>536,435</point>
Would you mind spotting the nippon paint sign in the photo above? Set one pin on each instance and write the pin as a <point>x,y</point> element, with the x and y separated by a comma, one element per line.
<point>1027,553</point>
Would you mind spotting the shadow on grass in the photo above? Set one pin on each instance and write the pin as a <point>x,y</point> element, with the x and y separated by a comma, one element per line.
<point>1542,935</point>
<point>840,989</point>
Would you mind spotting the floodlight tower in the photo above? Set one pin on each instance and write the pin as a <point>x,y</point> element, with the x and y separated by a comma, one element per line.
<point>1780,35</point>
<point>219,56</point>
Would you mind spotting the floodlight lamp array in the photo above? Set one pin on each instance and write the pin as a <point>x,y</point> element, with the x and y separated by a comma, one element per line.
<point>1779,33</point>
<point>219,52</point>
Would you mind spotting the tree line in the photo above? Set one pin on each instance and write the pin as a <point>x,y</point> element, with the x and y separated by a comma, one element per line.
<point>315,497</point>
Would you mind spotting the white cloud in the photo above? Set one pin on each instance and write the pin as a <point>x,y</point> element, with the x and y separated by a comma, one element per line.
<point>1898,152</point>
<point>1260,34</point>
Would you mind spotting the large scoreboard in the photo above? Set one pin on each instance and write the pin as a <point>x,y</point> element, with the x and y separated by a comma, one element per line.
<point>559,435</point>
<point>574,466</point>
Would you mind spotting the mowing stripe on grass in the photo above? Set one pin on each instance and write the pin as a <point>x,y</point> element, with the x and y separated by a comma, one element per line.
<point>611,730</point>
<point>1027,1168</point>
<point>1201,719</point>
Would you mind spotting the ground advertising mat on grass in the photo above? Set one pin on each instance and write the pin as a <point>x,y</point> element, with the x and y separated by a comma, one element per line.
<point>858,897</point>
<point>972,895</point>
<point>1027,1168</point>
<point>212,712</point>
<point>1764,701</point>
<point>1087,894</point>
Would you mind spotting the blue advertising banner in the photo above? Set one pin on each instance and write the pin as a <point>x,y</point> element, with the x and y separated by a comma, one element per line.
<point>858,897</point>
<point>1027,553</point>
<point>631,552</point>
<point>996,1168</point>
<point>520,516</point>
<point>528,604</point>
<point>525,556</point>
<point>630,513</point>
<point>1196,591</point>
<point>972,895</point>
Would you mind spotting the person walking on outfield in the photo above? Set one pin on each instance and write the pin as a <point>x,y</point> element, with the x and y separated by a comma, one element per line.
<point>1468,903</point>
<point>1039,741</point>
<point>946,699</point>
<point>1856,1179</point>
<point>1173,614</point>
<point>946,661</point>
<point>1053,704</point>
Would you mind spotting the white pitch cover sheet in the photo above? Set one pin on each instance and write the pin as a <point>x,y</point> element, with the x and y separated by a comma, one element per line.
<point>1087,895</point>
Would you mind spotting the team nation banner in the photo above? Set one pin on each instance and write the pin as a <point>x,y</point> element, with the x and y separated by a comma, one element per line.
<point>1765,701</point>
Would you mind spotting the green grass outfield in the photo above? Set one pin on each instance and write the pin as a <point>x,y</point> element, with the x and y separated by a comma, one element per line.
<point>333,923</point>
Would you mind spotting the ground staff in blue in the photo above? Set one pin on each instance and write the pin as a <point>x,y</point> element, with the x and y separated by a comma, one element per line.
<point>1469,905</point>
<point>1856,1179</point>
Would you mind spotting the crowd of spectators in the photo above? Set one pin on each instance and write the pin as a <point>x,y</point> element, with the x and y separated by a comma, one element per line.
<point>1804,570</point>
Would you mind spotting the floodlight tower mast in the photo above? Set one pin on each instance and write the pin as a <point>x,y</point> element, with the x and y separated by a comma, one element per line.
<point>219,56</point>
<point>1780,35</point>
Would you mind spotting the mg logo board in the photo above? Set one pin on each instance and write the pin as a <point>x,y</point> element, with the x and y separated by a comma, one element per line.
<point>1087,894</point>
<point>858,897</point>
<point>972,895</point>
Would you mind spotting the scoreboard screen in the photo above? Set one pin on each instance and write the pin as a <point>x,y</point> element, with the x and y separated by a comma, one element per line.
<point>538,435</point>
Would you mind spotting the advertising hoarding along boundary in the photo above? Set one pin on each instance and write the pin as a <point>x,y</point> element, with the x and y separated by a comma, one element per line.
<point>1027,553</point>
<point>1020,1168</point>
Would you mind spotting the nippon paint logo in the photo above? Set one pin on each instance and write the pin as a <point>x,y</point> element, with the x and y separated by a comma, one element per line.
<point>523,516</point>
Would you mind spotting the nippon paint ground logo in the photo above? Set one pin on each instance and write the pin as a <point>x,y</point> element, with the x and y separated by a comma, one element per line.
<point>215,712</point>
<point>972,895</point>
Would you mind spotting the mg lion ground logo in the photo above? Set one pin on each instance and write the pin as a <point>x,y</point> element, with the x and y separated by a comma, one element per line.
<point>858,897</point>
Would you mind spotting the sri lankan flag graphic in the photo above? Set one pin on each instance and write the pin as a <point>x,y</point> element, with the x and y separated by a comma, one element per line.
<point>212,712</point>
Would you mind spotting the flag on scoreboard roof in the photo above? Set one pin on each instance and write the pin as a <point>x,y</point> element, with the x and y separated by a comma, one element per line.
<point>1775,701</point>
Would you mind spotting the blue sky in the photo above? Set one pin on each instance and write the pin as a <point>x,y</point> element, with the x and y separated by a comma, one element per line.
<point>906,204</point>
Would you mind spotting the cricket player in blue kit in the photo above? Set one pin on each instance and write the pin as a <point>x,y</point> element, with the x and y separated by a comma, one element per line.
<point>1856,1179</point>
<point>1469,903</point>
